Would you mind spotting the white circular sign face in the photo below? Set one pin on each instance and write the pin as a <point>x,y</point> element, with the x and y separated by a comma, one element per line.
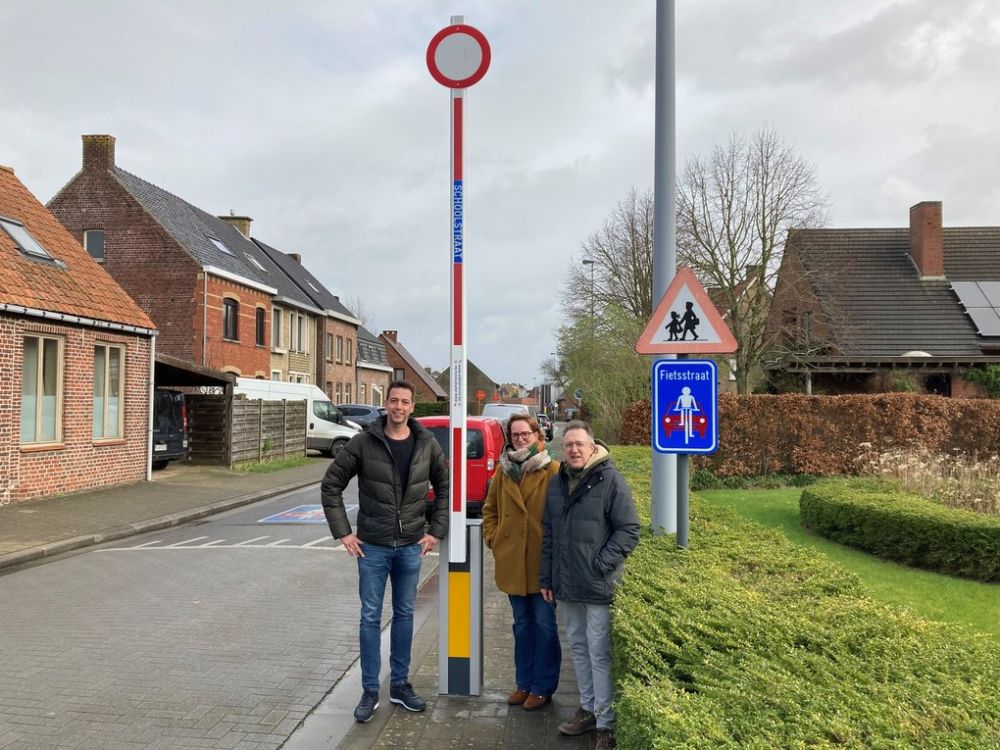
<point>458,56</point>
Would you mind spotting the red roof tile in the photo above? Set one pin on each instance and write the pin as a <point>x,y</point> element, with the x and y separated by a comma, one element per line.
<point>82,288</point>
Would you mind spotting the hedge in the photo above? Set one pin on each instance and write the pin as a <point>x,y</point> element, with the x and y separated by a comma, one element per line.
<point>897,525</point>
<point>746,640</point>
<point>797,434</point>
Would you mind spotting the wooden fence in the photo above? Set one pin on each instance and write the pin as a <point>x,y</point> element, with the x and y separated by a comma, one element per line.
<point>231,431</point>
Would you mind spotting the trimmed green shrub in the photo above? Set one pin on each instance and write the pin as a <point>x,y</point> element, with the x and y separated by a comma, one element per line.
<point>430,408</point>
<point>745,640</point>
<point>897,525</point>
<point>705,479</point>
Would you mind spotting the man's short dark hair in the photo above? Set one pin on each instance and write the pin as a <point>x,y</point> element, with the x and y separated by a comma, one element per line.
<point>579,424</point>
<point>402,384</point>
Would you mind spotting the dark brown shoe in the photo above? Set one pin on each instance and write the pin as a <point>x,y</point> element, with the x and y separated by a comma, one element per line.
<point>583,721</point>
<point>534,702</point>
<point>519,696</point>
<point>604,740</point>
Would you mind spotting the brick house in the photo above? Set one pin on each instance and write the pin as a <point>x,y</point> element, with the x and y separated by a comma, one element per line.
<point>477,382</point>
<point>336,331</point>
<point>872,310</point>
<point>405,367</point>
<point>75,361</point>
<point>189,270</point>
<point>373,370</point>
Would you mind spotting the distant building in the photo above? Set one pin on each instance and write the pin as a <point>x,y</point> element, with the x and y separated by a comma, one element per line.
<point>478,382</point>
<point>406,367</point>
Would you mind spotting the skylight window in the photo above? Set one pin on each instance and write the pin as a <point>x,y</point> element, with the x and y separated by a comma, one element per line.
<point>23,239</point>
<point>255,262</point>
<point>221,245</point>
<point>313,286</point>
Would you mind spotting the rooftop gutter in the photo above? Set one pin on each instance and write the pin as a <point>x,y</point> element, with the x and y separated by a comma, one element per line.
<point>76,319</point>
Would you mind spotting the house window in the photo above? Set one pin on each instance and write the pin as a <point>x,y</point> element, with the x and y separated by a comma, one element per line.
<point>329,390</point>
<point>261,322</point>
<point>276,375</point>
<point>221,246</point>
<point>340,348</point>
<point>338,394</point>
<point>350,350</point>
<point>93,243</point>
<point>376,395</point>
<point>397,373</point>
<point>299,331</point>
<point>297,377</point>
<point>329,347</point>
<point>41,390</point>
<point>231,319</point>
<point>23,239</point>
<point>361,393</point>
<point>276,328</point>
<point>732,368</point>
<point>347,393</point>
<point>108,378</point>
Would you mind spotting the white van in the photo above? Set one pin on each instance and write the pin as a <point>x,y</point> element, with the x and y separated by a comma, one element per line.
<point>503,412</point>
<point>327,429</point>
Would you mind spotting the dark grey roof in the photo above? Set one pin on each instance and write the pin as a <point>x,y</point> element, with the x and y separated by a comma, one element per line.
<point>874,297</point>
<point>371,351</point>
<point>288,290</point>
<point>191,227</point>
<point>410,360</point>
<point>308,283</point>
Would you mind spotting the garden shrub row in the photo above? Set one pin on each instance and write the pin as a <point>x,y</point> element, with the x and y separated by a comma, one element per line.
<point>823,435</point>
<point>897,525</point>
<point>746,640</point>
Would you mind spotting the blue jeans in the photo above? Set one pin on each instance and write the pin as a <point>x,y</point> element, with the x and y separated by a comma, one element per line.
<point>401,565</point>
<point>537,654</point>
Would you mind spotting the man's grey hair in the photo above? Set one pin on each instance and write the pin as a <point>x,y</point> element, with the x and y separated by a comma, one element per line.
<point>579,424</point>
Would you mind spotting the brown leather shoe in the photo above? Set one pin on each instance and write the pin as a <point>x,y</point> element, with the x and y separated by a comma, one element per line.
<point>534,701</point>
<point>519,696</point>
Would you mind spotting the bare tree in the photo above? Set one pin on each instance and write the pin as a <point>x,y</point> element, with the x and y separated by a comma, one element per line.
<point>360,310</point>
<point>621,263</point>
<point>734,209</point>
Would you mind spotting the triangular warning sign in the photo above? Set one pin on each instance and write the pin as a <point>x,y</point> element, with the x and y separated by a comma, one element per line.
<point>686,322</point>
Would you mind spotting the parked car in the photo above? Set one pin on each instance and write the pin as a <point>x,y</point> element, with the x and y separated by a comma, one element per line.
<point>547,427</point>
<point>327,430</point>
<point>484,440</point>
<point>170,438</point>
<point>672,421</point>
<point>363,414</point>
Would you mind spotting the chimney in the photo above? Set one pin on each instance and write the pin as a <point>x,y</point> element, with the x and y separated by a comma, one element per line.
<point>98,152</point>
<point>296,257</point>
<point>391,335</point>
<point>242,223</point>
<point>926,243</point>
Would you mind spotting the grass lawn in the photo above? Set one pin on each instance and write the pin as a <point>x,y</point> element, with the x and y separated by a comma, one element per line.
<point>934,596</point>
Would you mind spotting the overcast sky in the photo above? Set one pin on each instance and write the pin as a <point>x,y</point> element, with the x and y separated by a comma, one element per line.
<point>320,121</point>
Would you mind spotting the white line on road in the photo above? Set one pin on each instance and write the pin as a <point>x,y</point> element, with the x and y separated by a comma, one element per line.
<point>250,541</point>
<point>187,541</point>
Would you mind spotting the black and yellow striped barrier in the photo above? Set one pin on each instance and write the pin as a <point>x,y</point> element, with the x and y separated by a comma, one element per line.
<point>460,630</point>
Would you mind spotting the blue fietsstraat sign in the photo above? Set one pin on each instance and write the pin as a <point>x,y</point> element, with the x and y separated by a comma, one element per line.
<point>685,406</point>
<point>456,219</point>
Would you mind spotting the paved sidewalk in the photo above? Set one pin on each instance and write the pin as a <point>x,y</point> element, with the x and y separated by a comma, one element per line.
<point>177,494</point>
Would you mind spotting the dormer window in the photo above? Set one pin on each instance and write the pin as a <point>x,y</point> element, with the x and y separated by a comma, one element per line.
<point>23,239</point>
<point>221,246</point>
<point>256,263</point>
<point>93,243</point>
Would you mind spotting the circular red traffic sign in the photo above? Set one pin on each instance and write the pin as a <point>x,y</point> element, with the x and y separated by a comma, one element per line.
<point>458,56</point>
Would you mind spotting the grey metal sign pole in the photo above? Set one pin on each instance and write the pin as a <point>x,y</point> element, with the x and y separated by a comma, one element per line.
<point>664,511</point>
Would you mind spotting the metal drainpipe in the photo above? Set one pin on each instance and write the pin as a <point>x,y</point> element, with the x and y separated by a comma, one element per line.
<point>204,322</point>
<point>152,386</point>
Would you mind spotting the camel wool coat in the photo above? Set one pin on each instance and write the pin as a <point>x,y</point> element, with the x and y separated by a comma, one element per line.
<point>512,528</point>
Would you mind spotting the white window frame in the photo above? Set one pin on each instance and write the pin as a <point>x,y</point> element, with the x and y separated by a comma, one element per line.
<point>276,375</point>
<point>87,233</point>
<point>120,427</point>
<point>39,387</point>
<point>276,328</point>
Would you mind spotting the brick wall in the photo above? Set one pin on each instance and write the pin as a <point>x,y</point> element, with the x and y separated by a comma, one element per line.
<point>134,246</point>
<point>333,370</point>
<point>78,462</point>
<point>368,379</point>
<point>242,357</point>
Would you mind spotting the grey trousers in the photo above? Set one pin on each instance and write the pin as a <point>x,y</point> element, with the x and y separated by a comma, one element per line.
<point>588,628</point>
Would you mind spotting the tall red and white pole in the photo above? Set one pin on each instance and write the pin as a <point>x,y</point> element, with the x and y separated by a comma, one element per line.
<point>458,56</point>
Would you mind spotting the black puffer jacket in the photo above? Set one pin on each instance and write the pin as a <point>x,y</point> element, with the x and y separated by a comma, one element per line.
<point>587,533</point>
<point>389,515</point>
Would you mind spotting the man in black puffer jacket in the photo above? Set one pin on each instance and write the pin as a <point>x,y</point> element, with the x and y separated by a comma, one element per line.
<point>396,460</point>
<point>589,527</point>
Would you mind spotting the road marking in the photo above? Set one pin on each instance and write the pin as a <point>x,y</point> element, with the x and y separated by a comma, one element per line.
<point>250,541</point>
<point>212,544</point>
<point>186,541</point>
<point>277,543</point>
<point>314,542</point>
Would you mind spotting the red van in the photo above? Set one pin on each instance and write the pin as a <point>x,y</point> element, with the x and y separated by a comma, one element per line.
<point>484,440</point>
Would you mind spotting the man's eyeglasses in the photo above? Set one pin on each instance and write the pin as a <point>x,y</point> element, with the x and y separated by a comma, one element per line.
<point>575,446</point>
<point>521,435</point>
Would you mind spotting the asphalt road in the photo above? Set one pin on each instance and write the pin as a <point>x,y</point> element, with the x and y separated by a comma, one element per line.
<point>222,633</point>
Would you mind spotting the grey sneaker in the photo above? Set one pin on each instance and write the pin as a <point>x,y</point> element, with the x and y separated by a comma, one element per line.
<point>604,740</point>
<point>366,707</point>
<point>583,721</point>
<point>402,693</point>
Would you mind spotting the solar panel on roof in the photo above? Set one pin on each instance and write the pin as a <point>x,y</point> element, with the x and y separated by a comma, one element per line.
<point>969,294</point>
<point>991,289</point>
<point>986,319</point>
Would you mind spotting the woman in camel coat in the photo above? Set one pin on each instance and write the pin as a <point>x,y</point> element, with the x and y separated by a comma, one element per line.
<point>512,529</point>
